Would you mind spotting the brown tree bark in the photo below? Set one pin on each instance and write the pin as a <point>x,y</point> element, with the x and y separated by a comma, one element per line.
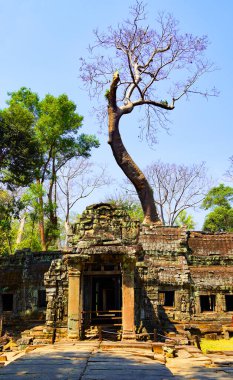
<point>20,230</point>
<point>125,161</point>
<point>51,192</point>
<point>41,222</point>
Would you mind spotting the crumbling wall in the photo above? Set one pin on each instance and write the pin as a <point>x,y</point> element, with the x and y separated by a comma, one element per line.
<point>210,258</point>
<point>21,280</point>
<point>195,267</point>
<point>179,276</point>
<point>164,272</point>
<point>103,224</point>
<point>56,283</point>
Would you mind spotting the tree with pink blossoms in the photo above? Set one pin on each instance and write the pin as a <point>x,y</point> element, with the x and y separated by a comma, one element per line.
<point>152,68</point>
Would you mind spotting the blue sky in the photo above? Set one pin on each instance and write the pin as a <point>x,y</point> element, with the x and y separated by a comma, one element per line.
<point>40,45</point>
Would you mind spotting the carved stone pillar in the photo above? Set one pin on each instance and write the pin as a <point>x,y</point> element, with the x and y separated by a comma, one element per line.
<point>74,312</point>
<point>128,324</point>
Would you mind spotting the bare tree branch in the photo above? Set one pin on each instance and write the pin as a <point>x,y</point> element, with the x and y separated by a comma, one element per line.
<point>176,188</point>
<point>150,67</point>
<point>77,180</point>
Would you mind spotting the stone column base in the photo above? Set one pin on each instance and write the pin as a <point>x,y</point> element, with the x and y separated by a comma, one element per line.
<point>73,336</point>
<point>128,335</point>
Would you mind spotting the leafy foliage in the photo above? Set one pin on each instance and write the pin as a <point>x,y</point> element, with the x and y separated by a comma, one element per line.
<point>132,207</point>
<point>19,149</point>
<point>218,196</point>
<point>10,208</point>
<point>220,219</point>
<point>219,199</point>
<point>56,125</point>
<point>183,219</point>
<point>39,137</point>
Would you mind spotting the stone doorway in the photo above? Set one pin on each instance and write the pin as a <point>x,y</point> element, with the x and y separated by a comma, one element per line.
<point>101,260</point>
<point>102,297</point>
<point>106,293</point>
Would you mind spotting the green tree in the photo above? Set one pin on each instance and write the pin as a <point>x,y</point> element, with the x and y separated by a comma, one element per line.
<point>30,235</point>
<point>183,219</point>
<point>56,125</point>
<point>9,210</point>
<point>218,196</point>
<point>220,219</point>
<point>19,148</point>
<point>219,199</point>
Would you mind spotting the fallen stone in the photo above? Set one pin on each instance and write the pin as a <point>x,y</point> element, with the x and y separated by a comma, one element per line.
<point>41,342</point>
<point>191,349</point>
<point>160,358</point>
<point>183,354</point>
<point>169,351</point>
<point>24,341</point>
<point>157,347</point>
<point>11,345</point>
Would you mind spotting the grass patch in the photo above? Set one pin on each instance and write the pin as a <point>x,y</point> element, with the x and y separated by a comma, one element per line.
<point>216,345</point>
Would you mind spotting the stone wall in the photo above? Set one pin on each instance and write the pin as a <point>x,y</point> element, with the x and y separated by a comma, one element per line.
<point>56,284</point>
<point>180,277</point>
<point>194,269</point>
<point>210,258</point>
<point>164,273</point>
<point>103,224</point>
<point>22,284</point>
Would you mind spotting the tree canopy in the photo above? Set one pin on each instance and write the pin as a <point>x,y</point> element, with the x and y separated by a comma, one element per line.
<point>221,196</point>
<point>219,199</point>
<point>186,220</point>
<point>149,67</point>
<point>19,148</point>
<point>39,137</point>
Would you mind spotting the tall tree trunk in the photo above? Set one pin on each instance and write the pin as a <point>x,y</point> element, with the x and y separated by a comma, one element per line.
<point>125,161</point>
<point>67,231</point>
<point>20,230</point>
<point>41,221</point>
<point>9,244</point>
<point>67,220</point>
<point>41,227</point>
<point>52,203</point>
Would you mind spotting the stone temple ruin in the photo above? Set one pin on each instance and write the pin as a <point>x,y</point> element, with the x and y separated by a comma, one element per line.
<point>117,273</point>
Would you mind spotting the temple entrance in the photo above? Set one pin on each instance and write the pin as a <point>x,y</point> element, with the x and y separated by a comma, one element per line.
<point>102,296</point>
<point>106,293</point>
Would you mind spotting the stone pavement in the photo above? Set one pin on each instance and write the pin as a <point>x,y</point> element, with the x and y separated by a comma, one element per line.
<point>88,361</point>
<point>198,369</point>
<point>83,361</point>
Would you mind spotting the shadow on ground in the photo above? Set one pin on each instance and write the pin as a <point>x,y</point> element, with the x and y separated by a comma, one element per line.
<point>83,363</point>
<point>86,361</point>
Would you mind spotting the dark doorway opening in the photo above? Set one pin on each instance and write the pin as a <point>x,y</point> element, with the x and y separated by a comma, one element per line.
<point>207,303</point>
<point>106,293</point>
<point>41,303</point>
<point>229,302</point>
<point>102,300</point>
<point>7,302</point>
<point>167,298</point>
